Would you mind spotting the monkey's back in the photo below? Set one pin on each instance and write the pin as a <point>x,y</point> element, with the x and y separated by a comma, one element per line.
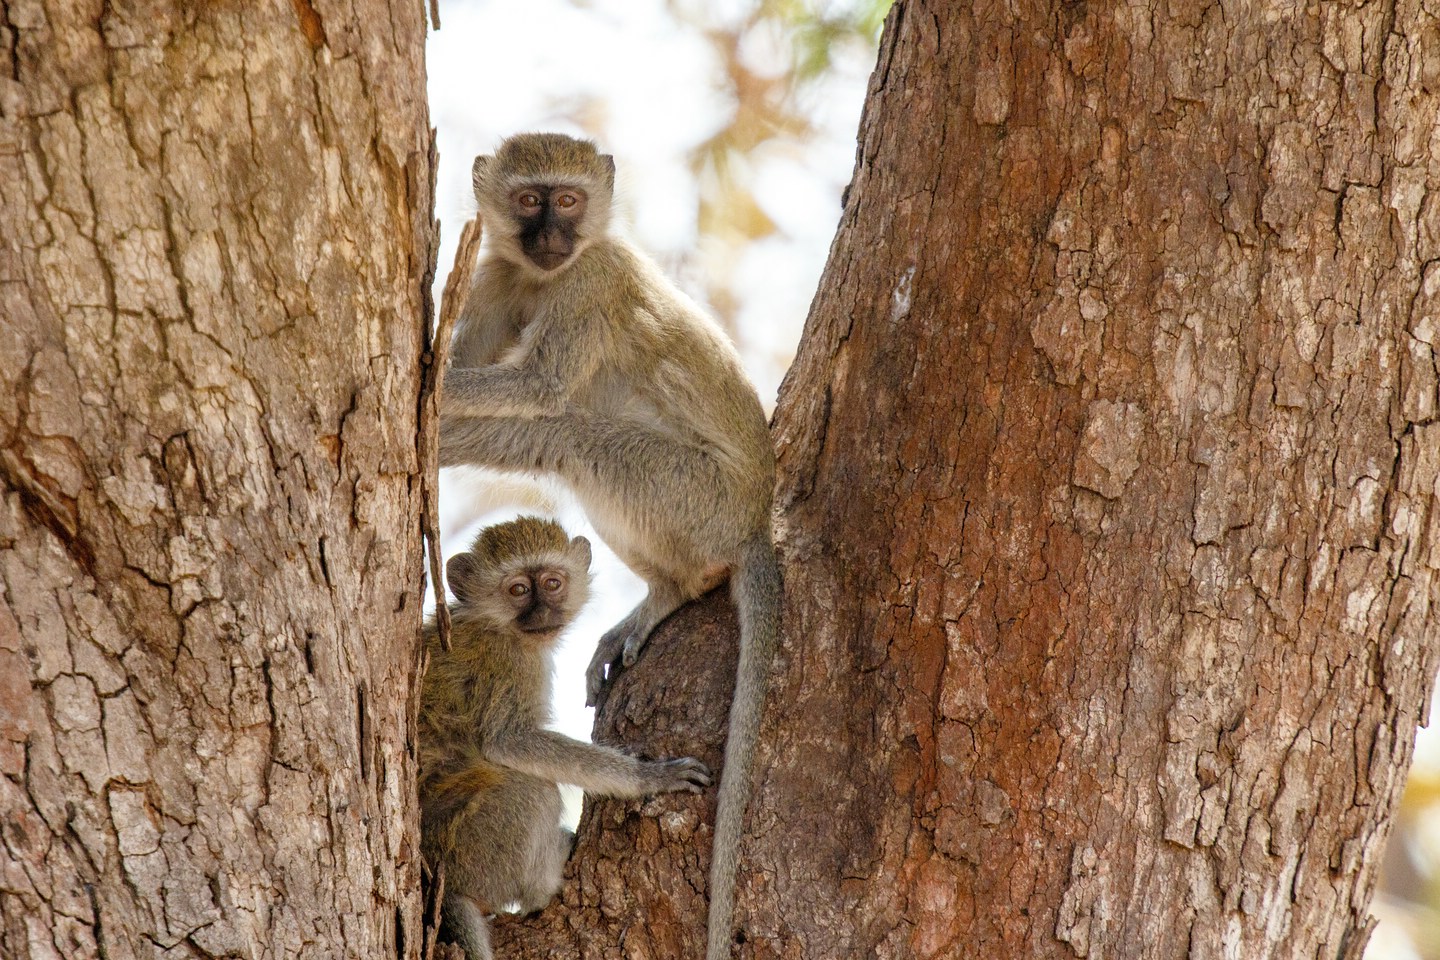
<point>658,363</point>
<point>666,360</point>
<point>674,368</point>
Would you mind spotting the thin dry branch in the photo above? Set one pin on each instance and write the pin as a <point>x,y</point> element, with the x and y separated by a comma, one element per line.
<point>451,302</point>
<point>432,914</point>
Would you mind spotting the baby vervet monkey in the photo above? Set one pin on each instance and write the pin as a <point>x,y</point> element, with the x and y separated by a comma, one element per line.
<point>575,356</point>
<point>489,805</point>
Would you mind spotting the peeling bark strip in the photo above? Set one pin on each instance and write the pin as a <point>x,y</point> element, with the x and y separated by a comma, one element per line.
<point>215,240</point>
<point>437,355</point>
<point>1109,472</point>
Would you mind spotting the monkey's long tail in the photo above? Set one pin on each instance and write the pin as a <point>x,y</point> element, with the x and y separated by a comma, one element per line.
<point>755,587</point>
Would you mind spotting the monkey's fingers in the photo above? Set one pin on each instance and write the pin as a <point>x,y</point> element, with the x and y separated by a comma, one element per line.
<point>595,681</point>
<point>687,774</point>
<point>633,645</point>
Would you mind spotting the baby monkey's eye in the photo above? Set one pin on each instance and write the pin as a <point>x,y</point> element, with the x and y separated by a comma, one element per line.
<point>529,200</point>
<point>552,583</point>
<point>566,200</point>
<point>519,589</point>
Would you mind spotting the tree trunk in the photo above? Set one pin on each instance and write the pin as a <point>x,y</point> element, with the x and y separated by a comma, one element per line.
<point>215,249</point>
<point>1108,499</point>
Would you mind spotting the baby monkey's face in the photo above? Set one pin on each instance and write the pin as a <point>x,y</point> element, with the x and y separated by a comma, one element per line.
<point>539,598</point>
<point>525,575</point>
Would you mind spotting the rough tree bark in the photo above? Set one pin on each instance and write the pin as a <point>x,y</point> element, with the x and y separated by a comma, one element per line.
<point>1108,498</point>
<point>215,248</point>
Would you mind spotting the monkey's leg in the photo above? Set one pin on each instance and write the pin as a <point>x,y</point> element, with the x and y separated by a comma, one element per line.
<point>468,925</point>
<point>628,473</point>
<point>549,872</point>
<point>666,505</point>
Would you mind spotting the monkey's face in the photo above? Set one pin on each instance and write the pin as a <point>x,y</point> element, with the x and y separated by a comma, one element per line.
<point>544,197</point>
<point>548,219</point>
<point>525,575</point>
<point>539,599</point>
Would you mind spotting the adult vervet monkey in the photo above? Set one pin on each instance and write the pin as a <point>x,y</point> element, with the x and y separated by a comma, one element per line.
<point>575,356</point>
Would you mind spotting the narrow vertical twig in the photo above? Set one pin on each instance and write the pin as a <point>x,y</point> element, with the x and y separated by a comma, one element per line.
<point>435,14</point>
<point>457,286</point>
<point>432,922</point>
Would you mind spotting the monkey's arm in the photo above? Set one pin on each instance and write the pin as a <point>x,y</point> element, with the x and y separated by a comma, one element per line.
<point>593,768</point>
<point>560,358</point>
<point>483,331</point>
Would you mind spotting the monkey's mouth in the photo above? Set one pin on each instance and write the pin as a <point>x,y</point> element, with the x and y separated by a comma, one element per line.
<point>539,621</point>
<point>549,261</point>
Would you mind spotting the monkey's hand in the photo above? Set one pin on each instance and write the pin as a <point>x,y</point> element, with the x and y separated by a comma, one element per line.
<point>670,776</point>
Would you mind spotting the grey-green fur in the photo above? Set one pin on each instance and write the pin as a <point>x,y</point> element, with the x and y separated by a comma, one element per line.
<point>601,372</point>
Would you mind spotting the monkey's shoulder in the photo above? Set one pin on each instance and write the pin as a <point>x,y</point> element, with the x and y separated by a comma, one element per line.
<point>482,668</point>
<point>491,651</point>
<point>643,305</point>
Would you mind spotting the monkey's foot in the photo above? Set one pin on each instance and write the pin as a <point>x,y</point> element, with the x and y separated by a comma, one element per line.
<point>605,665</point>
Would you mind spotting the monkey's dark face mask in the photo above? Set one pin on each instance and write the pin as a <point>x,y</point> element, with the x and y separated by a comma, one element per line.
<point>539,600</point>
<point>549,218</point>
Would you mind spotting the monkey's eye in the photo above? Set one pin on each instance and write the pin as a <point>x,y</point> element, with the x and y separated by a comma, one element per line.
<point>518,589</point>
<point>529,200</point>
<point>553,583</point>
<point>566,200</point>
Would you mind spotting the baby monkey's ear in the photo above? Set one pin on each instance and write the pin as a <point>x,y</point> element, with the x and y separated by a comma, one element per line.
<point>462,572</point>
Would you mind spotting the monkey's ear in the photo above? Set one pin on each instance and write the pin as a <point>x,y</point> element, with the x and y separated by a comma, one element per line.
<point>460,572</point>
<point>477,172</point>
<point>608,162</point>
<point>581,548</point>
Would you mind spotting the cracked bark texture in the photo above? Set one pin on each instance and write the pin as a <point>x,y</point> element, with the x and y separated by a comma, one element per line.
<point>1108,499</point>
<point>215,248</point>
